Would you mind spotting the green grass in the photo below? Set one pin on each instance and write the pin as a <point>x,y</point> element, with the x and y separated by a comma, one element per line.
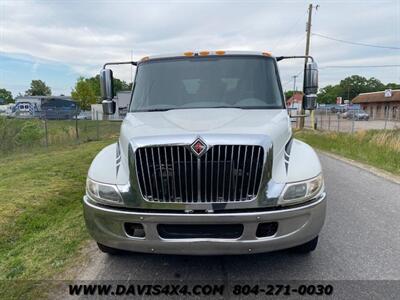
<point>19,135</point>
<point>378,148</point>
<point>41,225</point>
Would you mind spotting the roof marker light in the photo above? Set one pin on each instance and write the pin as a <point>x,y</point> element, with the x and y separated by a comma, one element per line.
<point>267,53</point>
<point>220,52</point>
<point>204,53</point>
<point>145,58</point>
<point>188,53</point>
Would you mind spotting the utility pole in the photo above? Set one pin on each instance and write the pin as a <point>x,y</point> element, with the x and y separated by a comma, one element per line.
<point>294,82</point>
<point>308,30</point>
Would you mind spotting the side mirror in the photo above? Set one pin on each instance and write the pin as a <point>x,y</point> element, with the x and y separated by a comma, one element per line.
<point>107,91</point>
<point>109,107</point>
<point>310,86</point>
<point>310,102</point>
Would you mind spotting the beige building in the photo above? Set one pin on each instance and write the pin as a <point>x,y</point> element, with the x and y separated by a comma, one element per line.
<point>380,105</point>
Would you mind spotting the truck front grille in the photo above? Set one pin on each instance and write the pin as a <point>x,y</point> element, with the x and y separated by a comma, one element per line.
<point>225,173</point>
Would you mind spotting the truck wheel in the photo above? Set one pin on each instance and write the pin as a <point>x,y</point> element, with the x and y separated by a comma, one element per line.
<point>109,250</point>
<point>307,247</point>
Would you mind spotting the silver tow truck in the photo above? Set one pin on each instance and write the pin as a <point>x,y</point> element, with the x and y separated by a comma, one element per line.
<point>206,162</point>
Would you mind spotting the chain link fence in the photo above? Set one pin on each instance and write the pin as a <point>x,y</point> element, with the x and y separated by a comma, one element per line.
<point>350,121</point>
<point>54,128</point>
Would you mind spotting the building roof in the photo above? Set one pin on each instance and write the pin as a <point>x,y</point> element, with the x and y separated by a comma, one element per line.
<point>296,97</point>
<point>377,97</point>
<point>44,97</point>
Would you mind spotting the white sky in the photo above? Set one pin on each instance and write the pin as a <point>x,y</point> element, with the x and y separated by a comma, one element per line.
<point>77,37</point>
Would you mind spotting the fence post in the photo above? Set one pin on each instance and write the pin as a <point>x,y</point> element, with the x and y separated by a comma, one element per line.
<point>97,125</point>
<point>386,119</point>
<point>76,123</point>
<point>338,121</point>
<point>45,131</point>
<point>329,122</point>
<point>352,125</point>
<point>320,125</point>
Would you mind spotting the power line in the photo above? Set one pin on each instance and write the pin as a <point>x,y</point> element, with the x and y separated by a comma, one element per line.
<point>341,67</point>
<point>291,78</point>
<point>355,43</point>
<point>290,30</point>
<point>296,44</point>
<point>362,66</point>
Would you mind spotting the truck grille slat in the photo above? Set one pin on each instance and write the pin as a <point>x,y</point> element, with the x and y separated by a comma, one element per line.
<point>255,187</point>
<point>160,171</point>
<point>179,175</point>
<point>250,168</point>
<point>148,173</point>
<point>225,173</point>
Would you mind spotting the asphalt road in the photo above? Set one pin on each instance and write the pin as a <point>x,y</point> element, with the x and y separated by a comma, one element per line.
<point>360,241</point>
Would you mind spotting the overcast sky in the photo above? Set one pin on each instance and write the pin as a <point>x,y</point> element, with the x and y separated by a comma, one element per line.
<point>58,41</point>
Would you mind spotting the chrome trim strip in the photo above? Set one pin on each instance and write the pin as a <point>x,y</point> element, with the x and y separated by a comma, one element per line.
<point>255,170</point>
<point>224,173</point>
<point>166,168</point>
<point>312,203</point>
<point>218,160</point>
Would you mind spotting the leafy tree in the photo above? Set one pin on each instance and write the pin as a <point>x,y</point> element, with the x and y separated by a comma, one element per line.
<point>6,95</point>
<point>84,94</point>
<point>393,86</point>
<point>350,87</point>
<point>329,94</point>
<point>374,85</point>
<point>87,90</point>
<point>355,84</point>
<point>119,85</point>
<point>38,88</point>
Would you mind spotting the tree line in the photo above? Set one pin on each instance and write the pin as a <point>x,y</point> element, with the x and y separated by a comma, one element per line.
<point>87,90</point>
<point>349,88</point>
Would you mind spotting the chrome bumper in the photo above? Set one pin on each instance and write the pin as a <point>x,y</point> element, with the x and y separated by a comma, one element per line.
<point>295,226</point>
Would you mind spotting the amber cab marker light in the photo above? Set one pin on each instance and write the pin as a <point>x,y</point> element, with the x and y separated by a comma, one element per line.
<point>188,53</point>
<point>144,58</point>
<point>267,53</point>
<point>204,53</point>
<point>220,52</point>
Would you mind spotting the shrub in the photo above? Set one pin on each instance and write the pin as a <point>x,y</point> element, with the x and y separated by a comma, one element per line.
<point>30,134</point>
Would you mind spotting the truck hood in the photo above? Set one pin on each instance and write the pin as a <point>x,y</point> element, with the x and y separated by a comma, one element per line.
<point>274,123</point>
<point>196,121</point>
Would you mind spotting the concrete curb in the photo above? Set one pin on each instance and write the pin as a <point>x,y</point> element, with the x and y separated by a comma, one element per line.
<point>377,172</point>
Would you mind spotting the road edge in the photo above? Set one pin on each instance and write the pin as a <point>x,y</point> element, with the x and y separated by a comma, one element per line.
<point>375,171</point>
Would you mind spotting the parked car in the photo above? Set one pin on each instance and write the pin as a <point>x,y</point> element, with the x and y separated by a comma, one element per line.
<point>83,115</point>
<point>338,109</point>
<point>357,115</point>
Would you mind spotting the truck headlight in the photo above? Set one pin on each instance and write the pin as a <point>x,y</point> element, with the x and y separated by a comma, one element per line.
<point>103,193</point>
<point>301,191</point>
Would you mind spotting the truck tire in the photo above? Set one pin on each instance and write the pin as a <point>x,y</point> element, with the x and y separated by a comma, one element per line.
<point>307,247</point>
<point>109,250</point>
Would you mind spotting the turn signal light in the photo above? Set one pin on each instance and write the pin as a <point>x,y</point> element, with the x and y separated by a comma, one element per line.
<point>204,53</point>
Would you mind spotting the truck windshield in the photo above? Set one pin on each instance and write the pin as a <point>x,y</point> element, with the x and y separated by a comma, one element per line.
<point>247,82</point>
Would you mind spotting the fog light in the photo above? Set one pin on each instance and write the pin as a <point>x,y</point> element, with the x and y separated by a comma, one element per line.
<point>266,229</point>
<point>135,230</point>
